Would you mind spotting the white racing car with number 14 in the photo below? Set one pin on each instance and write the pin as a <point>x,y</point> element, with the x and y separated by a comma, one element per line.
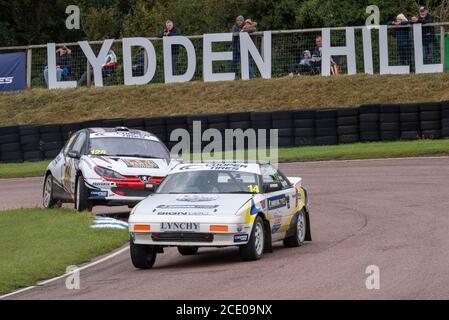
<point>219,204</point>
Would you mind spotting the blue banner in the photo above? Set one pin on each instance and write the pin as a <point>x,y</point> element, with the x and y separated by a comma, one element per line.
<point>12,71</point>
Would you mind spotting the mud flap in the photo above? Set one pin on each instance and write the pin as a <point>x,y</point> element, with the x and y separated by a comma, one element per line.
<point>268,245</point>
<point>309,229</point>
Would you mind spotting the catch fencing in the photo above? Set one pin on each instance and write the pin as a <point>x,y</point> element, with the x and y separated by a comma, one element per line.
<point>298,128</point>
<point>288,48</point>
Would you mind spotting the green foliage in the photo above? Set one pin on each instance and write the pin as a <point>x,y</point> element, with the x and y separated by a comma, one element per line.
<point>39,21</point>
<point>101,23</point>
<point>142,20</point>
<point>7,37</point>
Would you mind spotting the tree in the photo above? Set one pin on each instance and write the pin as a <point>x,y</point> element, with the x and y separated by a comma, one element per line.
<point>142,20</point>
<point>101,23</point>
<point>25,17</point>
<point>41,21</point>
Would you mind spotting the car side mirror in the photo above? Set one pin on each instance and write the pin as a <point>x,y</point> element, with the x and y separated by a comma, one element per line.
<point>272,187</point>
<point>74,155</point>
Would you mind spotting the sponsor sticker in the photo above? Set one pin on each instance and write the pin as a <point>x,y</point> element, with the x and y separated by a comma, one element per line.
<point>193,206</point>
<point>240,238</point>
<point>276,225</point>
<point>182,213</point>
<point>227,166</point>
<point>215,166</point>
<point>143,164</point>
<point>278,202</point>
<point>103,184</point>
<point>98,194</point>
<point>180,226</point>
<point>197,198</point>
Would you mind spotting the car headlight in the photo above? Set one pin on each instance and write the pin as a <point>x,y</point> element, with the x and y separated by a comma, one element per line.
<point>108,173</point>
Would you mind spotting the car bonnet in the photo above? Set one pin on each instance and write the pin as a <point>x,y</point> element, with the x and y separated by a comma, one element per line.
<point>130,166</point>
<point>192,204</point>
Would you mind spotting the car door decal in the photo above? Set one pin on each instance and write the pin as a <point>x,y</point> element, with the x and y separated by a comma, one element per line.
<point>67,178</point>
<point>293,216</point>
<point>278,202</point>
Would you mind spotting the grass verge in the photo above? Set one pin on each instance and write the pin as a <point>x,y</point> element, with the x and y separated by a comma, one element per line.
<point>38,244</point>
<point>71,105</point>
<point>373,150</point>
<point>23,170</point>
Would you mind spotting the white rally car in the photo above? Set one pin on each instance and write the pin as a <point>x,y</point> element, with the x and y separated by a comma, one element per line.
<point>217,204</point>
<point>106,166</point>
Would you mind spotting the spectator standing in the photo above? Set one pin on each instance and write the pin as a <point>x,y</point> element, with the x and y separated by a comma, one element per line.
<point>316,54</point>
<point>403,39</point>
<point>63,64</point>
<point>317,57</point>
<point>428,34</point>
<point>241,25</point>
<point>171,31</point>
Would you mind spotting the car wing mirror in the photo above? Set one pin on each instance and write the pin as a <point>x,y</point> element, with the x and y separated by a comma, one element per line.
<point>74,155</point>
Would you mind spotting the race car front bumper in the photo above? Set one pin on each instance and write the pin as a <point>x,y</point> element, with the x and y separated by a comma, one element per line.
<point>167,239</point>
<point>236,234</point>
<point>118,196</point>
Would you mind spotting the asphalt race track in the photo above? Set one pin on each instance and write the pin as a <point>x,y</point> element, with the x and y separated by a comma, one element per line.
<point>389,213</point>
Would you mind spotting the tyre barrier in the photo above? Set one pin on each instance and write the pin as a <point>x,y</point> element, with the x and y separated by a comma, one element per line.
<point>369,123</point>
<point>296,128</point>
<point>445,119</point>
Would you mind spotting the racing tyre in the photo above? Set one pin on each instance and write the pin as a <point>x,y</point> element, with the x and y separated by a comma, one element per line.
<point>299,236</point>
<point>188,251</point>
<point>253,250</point>
<point>82,202</point>
<point>142,256</point>
<point>49,200</point>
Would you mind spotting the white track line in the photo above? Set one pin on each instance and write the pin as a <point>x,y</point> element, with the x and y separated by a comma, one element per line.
<point>67,274</point>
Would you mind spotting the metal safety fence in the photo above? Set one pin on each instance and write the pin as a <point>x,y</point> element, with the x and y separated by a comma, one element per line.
<point>293,53</point>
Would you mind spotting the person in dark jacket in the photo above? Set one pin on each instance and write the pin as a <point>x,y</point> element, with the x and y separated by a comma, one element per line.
<point>63,64</point>
<point>171,31</point>
<point>241,25</point>
<point>139,63</point>
<point>317,58</point>
<point>403,39</point>
<point>428,34</point>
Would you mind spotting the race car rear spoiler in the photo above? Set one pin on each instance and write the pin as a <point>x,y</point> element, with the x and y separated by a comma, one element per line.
<point>297,181</point>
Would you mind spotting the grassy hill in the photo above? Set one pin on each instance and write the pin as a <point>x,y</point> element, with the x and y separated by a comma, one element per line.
<point>62,106</point>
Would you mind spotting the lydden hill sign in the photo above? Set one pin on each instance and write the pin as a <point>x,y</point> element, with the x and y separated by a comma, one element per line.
<point>247,48</point>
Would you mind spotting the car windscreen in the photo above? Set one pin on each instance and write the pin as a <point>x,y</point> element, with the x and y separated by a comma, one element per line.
<point>128,147</point>
<point>210,181</point>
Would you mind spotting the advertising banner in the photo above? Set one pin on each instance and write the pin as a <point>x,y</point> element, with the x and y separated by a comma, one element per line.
<point>12,71</point>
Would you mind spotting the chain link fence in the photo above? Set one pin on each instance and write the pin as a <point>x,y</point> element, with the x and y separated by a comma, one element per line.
<point>291,54</point>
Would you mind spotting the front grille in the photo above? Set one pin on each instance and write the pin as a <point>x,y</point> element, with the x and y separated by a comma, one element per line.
<point>182,237</point>
<point>132,192</point>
